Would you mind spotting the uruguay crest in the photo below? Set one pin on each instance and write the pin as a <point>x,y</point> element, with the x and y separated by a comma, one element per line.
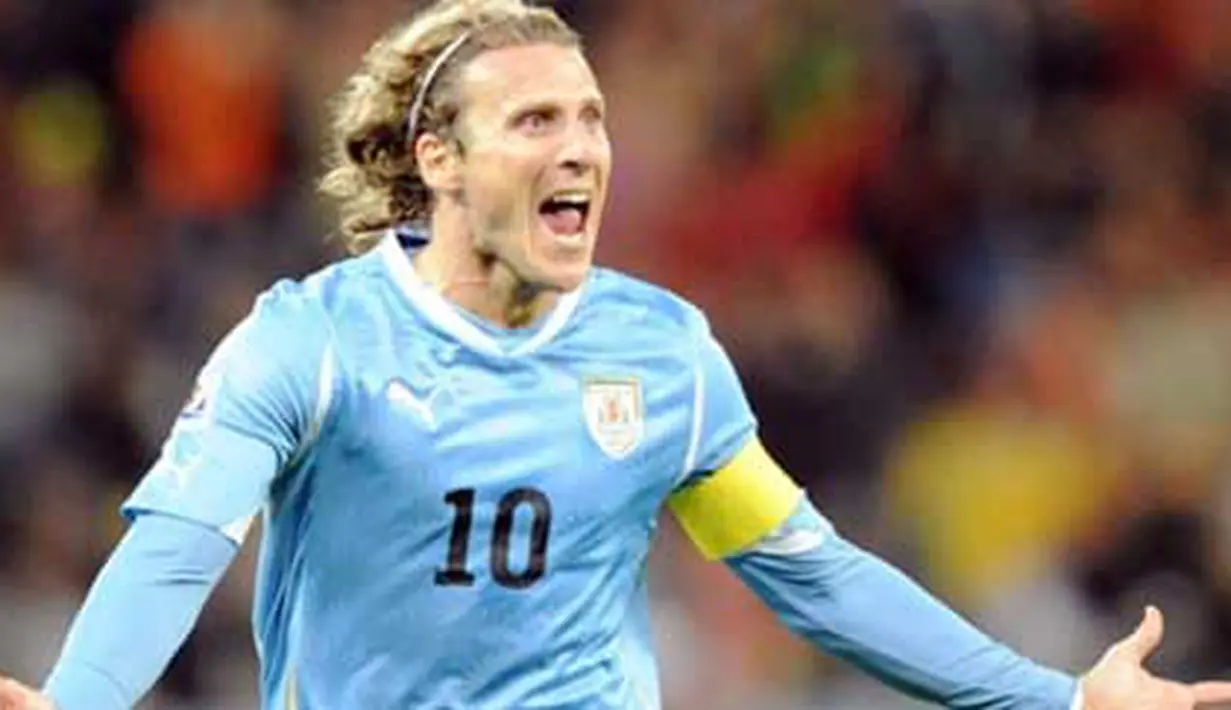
<point>615,414</point>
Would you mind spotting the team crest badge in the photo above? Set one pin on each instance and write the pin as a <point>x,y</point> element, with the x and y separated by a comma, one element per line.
<point>615,414</point>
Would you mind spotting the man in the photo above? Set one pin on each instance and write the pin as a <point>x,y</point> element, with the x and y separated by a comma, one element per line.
<point>461,440</point>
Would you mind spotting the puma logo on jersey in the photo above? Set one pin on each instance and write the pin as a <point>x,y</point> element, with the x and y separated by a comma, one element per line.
<point>400,394</point>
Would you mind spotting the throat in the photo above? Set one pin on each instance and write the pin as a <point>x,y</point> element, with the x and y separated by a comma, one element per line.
<point>474,279</point>
<point>527,305</point>
<point>509,302</point>
<point>520,312</point>
<point>488,290</point>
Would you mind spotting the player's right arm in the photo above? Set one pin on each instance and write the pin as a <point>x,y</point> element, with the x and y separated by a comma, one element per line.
<point>258,403</point>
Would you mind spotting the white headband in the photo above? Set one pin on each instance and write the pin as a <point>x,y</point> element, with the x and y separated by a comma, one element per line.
<point>416,108</point>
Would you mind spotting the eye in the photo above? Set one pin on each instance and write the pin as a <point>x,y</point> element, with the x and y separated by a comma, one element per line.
<point>593,115</point>
<point>536,120</point>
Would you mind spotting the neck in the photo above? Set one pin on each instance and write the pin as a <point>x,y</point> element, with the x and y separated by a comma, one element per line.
<point>475,281</point>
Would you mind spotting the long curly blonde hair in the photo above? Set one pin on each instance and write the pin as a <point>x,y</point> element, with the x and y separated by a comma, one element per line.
<point>371,167</point>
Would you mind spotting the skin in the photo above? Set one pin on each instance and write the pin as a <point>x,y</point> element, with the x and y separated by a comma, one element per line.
<point>531,124</point>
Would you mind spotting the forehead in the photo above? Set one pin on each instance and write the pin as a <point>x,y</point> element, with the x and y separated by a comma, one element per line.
<point>502,79</point>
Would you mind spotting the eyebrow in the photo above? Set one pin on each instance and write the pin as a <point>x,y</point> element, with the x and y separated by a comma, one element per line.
<point>543,102</point>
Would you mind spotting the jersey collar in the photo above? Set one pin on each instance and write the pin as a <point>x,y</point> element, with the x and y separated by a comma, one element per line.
<point>447,316</point>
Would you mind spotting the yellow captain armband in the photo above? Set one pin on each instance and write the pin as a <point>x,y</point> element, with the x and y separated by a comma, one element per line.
<point>738,504</point>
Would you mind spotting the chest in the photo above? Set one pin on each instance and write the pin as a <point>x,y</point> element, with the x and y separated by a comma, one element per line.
<point>596,445</point>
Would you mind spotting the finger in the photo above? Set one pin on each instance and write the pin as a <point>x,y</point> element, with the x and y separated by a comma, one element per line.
<point>1142,642</point>
<point>10,688</point>
<point>9,695</point>
<point>13,695</point>
<point>1211,692</point>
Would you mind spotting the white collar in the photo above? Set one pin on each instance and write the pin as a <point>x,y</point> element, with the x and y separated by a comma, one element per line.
<point>445,314</point>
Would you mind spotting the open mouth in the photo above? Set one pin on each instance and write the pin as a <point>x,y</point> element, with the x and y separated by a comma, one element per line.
<point>566,214</point>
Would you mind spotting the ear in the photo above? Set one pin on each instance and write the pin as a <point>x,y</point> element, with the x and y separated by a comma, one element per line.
<point>439,163</point>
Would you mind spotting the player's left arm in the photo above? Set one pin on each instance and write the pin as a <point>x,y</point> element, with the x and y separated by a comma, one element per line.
<point>738,505</point>
<point>751,515</point>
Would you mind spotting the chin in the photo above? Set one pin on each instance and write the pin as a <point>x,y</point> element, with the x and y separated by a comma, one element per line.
<point>565,280</point>
<point>557,264</point>
<point>560,271</point>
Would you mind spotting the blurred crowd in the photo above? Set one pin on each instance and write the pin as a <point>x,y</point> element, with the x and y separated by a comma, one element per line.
<point>973,260</point>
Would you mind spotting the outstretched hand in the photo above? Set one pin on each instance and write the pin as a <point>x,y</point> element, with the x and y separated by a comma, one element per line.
<point>1120,681</point>
<point>15,696</point>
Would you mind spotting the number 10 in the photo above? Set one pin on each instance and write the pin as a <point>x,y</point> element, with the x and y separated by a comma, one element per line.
<point>455,574</point>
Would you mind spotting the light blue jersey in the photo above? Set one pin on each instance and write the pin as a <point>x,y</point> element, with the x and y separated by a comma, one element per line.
<point>459,517</point>
<point>455,516</point>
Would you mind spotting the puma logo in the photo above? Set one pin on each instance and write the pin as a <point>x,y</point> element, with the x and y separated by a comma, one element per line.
<point>401,394</point>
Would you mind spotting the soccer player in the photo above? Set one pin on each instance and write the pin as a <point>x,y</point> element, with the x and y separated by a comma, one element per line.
<point>460,440</point>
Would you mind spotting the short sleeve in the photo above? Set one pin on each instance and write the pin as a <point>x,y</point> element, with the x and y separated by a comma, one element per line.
<point>723,421</point>
<point>256,406</point>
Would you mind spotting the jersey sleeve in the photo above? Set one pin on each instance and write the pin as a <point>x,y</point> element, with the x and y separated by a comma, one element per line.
<point>256,406</point>
<point>723,422</point>
<point>740,504</point>
<point>732,493</point>
<point>854,605</point>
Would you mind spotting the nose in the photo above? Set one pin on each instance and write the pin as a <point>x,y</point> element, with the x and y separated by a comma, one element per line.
<point>582,148</point>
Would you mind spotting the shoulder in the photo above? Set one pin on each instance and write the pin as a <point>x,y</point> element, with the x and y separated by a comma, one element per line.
<point>341,286</point>
<point>284,355</point>
<point>311,305</point>
<point>631,300</point>
<point>291,323</point>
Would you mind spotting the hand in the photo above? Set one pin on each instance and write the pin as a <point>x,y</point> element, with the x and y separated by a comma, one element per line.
<point>1120,681</point>
<point>15,696</point>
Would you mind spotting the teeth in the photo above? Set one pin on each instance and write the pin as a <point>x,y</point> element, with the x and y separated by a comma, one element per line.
<point>572,197</point>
